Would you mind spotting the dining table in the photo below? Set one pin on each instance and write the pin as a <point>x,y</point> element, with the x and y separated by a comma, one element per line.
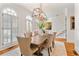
<point>38,39</point>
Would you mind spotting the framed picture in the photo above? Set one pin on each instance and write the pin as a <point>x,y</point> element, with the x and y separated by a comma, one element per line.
<point>72,22</point>
<point>48,25</point>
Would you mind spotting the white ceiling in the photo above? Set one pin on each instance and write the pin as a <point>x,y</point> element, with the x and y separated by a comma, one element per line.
<point>51,9</point>
<point>31,6</point>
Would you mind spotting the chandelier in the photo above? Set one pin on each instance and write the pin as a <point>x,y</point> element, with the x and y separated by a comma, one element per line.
<point>39,14</point>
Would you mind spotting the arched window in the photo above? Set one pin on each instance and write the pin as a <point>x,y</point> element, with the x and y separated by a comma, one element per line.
<point>9,11</point>
<point>29,23</point>
<point>9,26</point>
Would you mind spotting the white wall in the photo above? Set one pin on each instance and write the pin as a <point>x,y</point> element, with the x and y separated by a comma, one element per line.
<point>70,33</point>
<point>0,28</point>
<point>57,13</point>
<point>77,27</point>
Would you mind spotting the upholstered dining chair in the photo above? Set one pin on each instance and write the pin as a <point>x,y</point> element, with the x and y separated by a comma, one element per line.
<point>24,44</point>
<point>47,43</point>
<point>28,34</point>
<point>54,36</point>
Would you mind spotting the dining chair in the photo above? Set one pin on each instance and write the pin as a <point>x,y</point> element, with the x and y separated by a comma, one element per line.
<point>28,34</point>
<point>24,44</point>
<point>54,36</point>
<point>47,43</point>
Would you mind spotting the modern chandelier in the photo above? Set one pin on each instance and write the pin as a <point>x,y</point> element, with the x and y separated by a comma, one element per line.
<point>39,14</point>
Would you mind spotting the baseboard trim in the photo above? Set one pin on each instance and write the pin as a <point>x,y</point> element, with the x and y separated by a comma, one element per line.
<point>8,49</point>
<point>8,45</point>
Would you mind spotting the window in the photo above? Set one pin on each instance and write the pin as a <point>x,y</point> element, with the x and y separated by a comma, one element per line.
<point>9,26</point>
<point>29,23</point>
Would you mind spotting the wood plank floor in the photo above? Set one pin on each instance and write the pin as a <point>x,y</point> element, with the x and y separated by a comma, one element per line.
<point>8,49</point>
<point>68,45</point>
<point>70,49</point>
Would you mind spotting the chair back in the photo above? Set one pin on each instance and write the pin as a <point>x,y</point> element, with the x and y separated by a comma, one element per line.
<point>49,39</point>
<point>54,35</point>
<point>24,44</point>
<point>28,34</point>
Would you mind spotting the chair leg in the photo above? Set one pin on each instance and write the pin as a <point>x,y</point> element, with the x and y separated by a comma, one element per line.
<point>49,51</point>
<point>53,44</point>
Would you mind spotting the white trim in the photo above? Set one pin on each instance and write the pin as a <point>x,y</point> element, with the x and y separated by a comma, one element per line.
<point>8,45</point>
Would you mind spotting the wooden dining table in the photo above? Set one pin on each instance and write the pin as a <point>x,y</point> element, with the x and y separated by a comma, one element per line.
<point>38,39</point>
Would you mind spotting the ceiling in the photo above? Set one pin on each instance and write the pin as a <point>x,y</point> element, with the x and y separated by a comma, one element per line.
<point>51,9</point>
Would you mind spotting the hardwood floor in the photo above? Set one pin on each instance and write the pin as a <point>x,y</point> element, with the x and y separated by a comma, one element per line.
<point>60,39</point>
<point>68,45</point>
<point>70,49</point>
<point>8,49</point>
